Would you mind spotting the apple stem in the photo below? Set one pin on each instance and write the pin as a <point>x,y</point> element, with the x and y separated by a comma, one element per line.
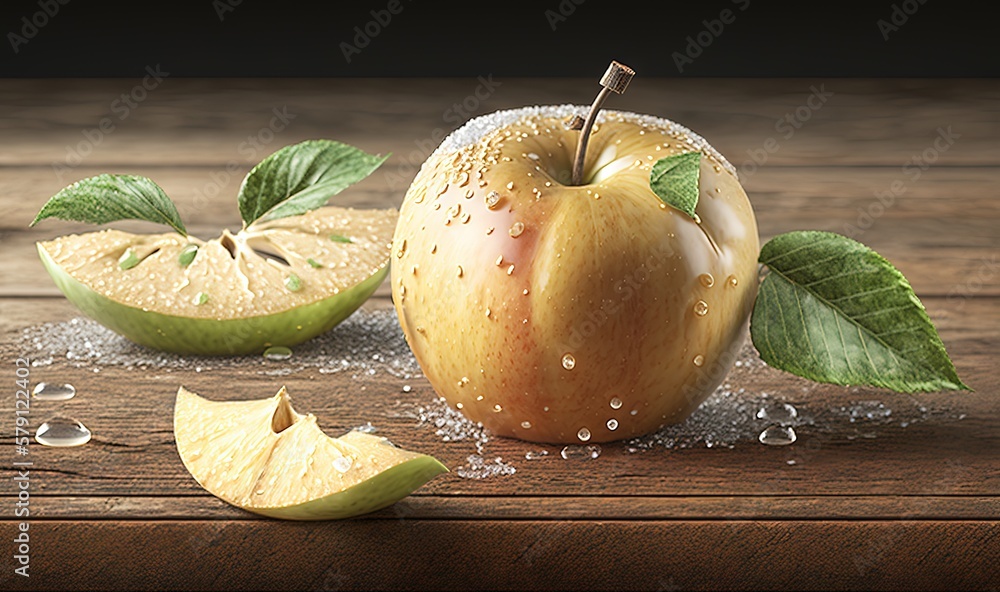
<point>615,79</point>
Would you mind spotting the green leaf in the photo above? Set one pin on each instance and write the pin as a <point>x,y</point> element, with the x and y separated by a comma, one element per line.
<point>833,310</point>
<point>108,198</point>
<point>674,180</point>
<point>302,177</point>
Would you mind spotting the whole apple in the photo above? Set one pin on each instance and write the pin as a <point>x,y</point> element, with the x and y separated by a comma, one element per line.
<point>565,313</point>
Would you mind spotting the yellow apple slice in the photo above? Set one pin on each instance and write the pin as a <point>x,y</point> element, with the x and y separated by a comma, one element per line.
<point>264,457</point>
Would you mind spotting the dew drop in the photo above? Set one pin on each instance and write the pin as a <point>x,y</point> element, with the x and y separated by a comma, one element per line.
<point>466,217</point>
<point>293,283</point>
<point>782,413</point>
<point>463,178</point>
<point>510,270</point>
<point>454,211</point>
<point>568,362</point>
<point>407,388</point>
<point>45,391</point>
<point>701,308</point>
<point>402,249</point>
<point>277,353</point>
<point>469,193</point>
<point>499,260</point>
<point>706,280</point>
<point>434,248</point>
<point>488,311</point>
<point>510,185</point>
<point>497,408</point>
<point>516,229</point>
<point>573,452</point>
<point>732,281</point>
<point>343,463</point>
<point>526,425</point>
<point>776,435</point>
<point>536,455</point>
<point>492,199</point>
<point>490,230</point>
<point>612,424</point>
<point>460,272</point>
<point>616,403</point>
<point>62,432</point>
<point>699,360</point>
<point>583,434</point>
<point>187,254</point>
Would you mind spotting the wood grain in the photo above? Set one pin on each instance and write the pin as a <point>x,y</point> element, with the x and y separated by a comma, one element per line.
<point>394,554</point>
<point>914,507</point>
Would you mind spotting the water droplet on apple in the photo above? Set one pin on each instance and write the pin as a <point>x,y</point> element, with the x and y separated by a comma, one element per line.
<point>732,281</point>
<point>492,199</point>
<point>455,210</point>
<point>612,424</point>
<point>497,408</point>
<point>533,156</point>
<point>343,463</point>
<point>510,270</point>
<point>466,217</point>
<point>706,280</point>
<point>616,403</point>
<point>463,179</point>
<point>583,434</point>
<point>568,361</point>
<point>526,425</point>
<point>459,406</point>
<point>701,308</point>
<point>434,248</point>
<point>634,412</point>
<point>525,291</point>
<point>488,311</point>
<point>699,360</point>
<point>402,249</point>
<point>516,229</point>
<point>460,272</point>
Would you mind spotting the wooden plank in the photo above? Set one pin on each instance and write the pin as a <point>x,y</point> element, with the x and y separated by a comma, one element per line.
<point>198,121</point>
<point>530,555</point>
<point>953,450</point>
<point>520,507</point>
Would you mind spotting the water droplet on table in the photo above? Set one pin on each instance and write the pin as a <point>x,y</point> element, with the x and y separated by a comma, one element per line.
<point>45,391</point>
<point>277,353</point>
<point>368,428</point>
<point>574,452</point>
<point>536,455</point>
<point>782,413</point>
<point>776,435</point>
<point>62,432</point>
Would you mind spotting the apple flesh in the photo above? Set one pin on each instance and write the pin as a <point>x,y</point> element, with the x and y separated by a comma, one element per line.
<point>566,314</point>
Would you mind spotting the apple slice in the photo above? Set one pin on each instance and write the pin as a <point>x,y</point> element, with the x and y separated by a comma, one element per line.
<point>265,457</point>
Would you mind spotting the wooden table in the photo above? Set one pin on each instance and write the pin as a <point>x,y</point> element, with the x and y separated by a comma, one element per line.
<point>912,508</point>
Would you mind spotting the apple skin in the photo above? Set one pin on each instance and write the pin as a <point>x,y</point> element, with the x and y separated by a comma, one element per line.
<point>650,304</point>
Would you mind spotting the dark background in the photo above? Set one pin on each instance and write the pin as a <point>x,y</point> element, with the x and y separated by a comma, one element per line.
<point>296,38</point>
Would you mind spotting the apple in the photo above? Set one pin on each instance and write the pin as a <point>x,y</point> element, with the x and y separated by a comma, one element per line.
<point>564,312</point>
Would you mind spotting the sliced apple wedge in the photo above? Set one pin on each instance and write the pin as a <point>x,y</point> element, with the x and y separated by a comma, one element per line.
<point>264,457</point>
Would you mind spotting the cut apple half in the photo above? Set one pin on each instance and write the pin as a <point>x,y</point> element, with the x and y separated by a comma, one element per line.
<point>278,282</point>
<point>264,457</point>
